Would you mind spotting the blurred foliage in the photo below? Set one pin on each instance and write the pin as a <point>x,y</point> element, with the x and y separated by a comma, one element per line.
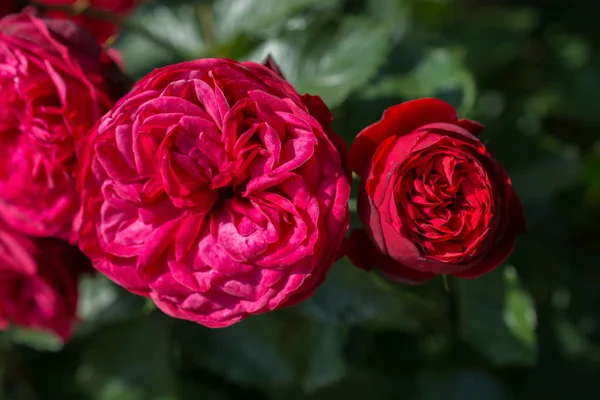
<point>528,69</point>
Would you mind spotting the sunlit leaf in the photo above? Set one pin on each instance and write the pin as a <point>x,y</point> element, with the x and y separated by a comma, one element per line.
<point>330,62</point>
<point>257,17</point>
<point>158,35</point>
<point>36,339</point>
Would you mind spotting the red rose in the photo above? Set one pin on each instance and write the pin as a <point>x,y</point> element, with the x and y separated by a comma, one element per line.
<point>56,83</point>
<point>216,190</point>
<point>432,200</point>
<point>38,282</point>
<point>101,29</point>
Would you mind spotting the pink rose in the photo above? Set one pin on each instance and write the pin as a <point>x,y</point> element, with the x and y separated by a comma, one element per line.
<point>101,29</point>
<point>38,282</point>
<point>216,190</point>
<point>56,83</point>
<point>432,200</point>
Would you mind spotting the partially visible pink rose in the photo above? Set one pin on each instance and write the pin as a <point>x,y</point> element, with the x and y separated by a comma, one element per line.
<point>38,283</point>
<point>101,29</point>
<point>216,190</point>
<point>56,83</point>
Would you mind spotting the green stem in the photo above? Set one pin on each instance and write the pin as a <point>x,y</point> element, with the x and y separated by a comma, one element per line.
<point>124,23</point>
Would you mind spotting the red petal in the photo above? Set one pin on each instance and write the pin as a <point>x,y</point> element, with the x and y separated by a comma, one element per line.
<point>270,63</point>
<point>318,109</point>
<point>497,255</point>
<point>400,119</point>
<point>474,127</point>
<point>363,254</point>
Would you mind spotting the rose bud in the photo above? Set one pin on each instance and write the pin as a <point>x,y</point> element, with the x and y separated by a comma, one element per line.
<point>216,190</point>
<point>56,83</point>
<point>432,199</point>
<point>38,283</point>
<point>101,29</point>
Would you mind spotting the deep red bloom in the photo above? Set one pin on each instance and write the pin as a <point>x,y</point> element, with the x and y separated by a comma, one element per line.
<point>101,29</point>
<point>432,200</point>
<point>38,282</point>
<point>216,190</point>
<point>56,83</point>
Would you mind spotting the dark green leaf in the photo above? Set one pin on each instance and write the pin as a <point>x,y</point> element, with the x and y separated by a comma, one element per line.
<point>351,296</point>
<point>275,349</point>
<point>247,352</point>
<point>499,317</point>
<point>464,385</point>
<point>441,72</point>
<point>532,183</point>
<point>129,360</point>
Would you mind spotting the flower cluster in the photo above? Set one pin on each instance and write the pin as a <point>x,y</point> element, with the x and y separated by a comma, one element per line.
<point>57,81</point>
<point>215,189</point>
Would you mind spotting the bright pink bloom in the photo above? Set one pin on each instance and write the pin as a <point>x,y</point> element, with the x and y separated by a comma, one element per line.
<point>216,190</point>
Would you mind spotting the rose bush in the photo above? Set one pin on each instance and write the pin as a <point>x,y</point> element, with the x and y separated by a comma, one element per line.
<point>101,29</point>
<point>56,83</point>
<point>38,282</point>
<point>216,190</point>
<point>432,199</point>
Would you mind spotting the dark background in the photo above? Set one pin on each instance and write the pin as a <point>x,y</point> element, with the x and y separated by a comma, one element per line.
<point>528,69</point>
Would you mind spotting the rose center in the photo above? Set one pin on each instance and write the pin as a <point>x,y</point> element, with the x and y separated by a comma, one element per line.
<point>224,194</point>
<point>442,200</point>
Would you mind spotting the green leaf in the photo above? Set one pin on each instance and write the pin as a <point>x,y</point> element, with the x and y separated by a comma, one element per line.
<point>519,312</point>
<point>102,302</point>
<point>499,317</point>
<point>261,18</point>
<point>245,353</point>
<point>396,15</point>
<point>157,35</point>
<point>36,339</point>
<point>275,349</point>
<point>573,343</point>
<point>331,62</point>
<point>440,73</point>
<point>463,385</point>
<point>317,353</point>
<point>351,296</point>
<point>129,360</point>
<point>532,183</point>
<point>96,293</point>
<point>505,30</point>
